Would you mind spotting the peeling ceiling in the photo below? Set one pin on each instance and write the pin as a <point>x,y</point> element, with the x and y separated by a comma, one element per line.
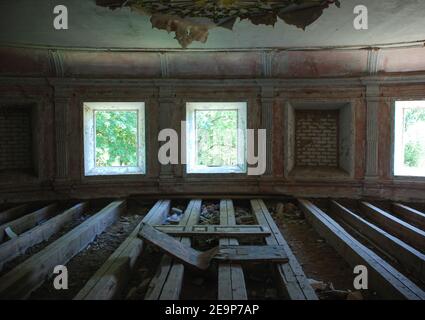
<point>30,23</point>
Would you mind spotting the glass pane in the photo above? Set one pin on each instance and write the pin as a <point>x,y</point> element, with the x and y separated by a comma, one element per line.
<point>414,137</point>
<point>216,137</point>
<point>116,138</point>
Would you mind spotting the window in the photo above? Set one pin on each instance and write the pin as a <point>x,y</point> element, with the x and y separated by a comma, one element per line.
<point>114,138</point>
<point>216,137</point>
<point>409,138</point>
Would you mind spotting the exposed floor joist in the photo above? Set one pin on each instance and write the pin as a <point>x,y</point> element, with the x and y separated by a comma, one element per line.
<point>410,215</point>
<point>383,278</point>
<point>109,280</point>
<point>409,257</point>
<point>17,246</point>
<point>20,282</point>
<point>292,278</point>
<point>168,281</point>
<point>13,213</point>
<point>401,229</point>
<point>231,281</point>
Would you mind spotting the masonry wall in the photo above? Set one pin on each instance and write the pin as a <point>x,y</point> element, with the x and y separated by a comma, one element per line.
<point>316,138</point>
<point>58,91</point>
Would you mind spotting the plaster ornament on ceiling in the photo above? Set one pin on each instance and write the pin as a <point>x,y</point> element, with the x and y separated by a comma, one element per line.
<point>191,20</point>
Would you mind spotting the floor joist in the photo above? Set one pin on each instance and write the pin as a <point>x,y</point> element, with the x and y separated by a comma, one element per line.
<point>292,278</point>
<point>168,281</point>
<point>409,257</point>
<point>108,282</point>
<point>20,282</point>
<point>399,228</point>
<point>410,215</point>
<point>17,246</point>
<point>13,213</point>
<point>231,281</point>
<point>383,278</point>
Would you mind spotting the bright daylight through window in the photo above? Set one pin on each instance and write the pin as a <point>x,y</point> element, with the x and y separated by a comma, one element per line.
<point>409,138</point>
<point>216,137</point>
<point>114,140</point>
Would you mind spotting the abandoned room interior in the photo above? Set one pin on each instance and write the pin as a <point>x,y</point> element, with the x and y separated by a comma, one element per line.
<point>212,150</point>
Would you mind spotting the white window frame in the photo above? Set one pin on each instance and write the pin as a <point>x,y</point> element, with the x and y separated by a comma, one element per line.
<point>191,152</point>
<point>90,108</point>
<point>399,168</point>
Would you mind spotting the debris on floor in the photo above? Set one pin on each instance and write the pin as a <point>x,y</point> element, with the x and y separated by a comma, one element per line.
<point>210,214</point>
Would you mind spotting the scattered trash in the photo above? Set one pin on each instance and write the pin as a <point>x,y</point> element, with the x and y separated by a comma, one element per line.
<point>175,218</point>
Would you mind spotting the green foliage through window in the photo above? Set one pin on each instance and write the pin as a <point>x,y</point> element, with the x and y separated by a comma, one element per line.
<point>116,138</point>
<point>414,144</point>
<point>216,134</point>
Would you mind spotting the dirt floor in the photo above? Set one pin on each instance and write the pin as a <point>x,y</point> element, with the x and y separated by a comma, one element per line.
<point>88,261</point>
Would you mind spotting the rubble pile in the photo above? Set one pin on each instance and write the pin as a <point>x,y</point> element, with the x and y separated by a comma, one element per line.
<point>210,214</point>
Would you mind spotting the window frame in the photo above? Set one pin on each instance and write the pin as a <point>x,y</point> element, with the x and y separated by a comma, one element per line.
<point>90,109</point>
<point>398,167</point>
<point>191,151</point>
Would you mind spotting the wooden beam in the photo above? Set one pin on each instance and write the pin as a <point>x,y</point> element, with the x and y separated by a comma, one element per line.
<point>13,213</point>
<point>167,283</point>
<point>108,281</point>
<point>410,215</point>
<point>291,277</point>
<point>15,247</point>
<point>409,257</point>
<point>383,278</point>
<point>399,228</point>
<point>239,231</point>
<point>231,281</point>
<point>28,221</point>
<point>20,282</point>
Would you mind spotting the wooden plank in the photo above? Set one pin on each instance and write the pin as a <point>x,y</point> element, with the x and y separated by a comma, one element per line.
<point>409,257</point>
<point>108,281</point>
<point>168,281</point>
<point>202,260</point>
<point>402,230</point>
<point>410,215</point>
<point>292,279</point>
<point>231,281</point>
<point>28,221</point>
<point>218,231</point>
<point>20,282</point>
<point>13,213</point>
<point>383,278</point>
<point>15,247</point>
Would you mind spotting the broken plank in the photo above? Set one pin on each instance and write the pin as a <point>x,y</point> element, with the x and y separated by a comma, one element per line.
<point>13,213</point>
<point>292,279</point>
<point>218,231</point>
<point>21,281</point>
<point>410,215</point>
<point>108,281</point>
<point>168,281</point>
<point>15,247</point>
<point>231,281</point>
<point>399,228</point>
<point>28,221</point>
<point>409,257</point>
<point>383,278</point>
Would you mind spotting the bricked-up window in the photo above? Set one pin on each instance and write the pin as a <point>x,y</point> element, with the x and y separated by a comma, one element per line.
<point>409,138</point>
<point>216,137</point>
<point>316,138</point>
<point>114,138</point>
<point>16,152</point>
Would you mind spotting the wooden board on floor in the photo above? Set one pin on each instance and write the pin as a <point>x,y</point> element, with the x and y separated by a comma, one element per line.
<point>410,215</point>
<point>108,281</point>
<point>28,221</point>
<point>168,281</point>
<point>21,281</point>
<point>15,247</point>
<point>409,257</point>
<point>239,231</point>
<point>383,278</point>
<point>399,228</point>
<point>13,213</point>
<point>291,276</point>
<point>231,281</point>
